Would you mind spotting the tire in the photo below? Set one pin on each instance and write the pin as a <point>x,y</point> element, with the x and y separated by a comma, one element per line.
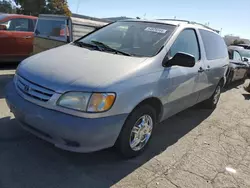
<point>125,141</point>
<point>212,102</point>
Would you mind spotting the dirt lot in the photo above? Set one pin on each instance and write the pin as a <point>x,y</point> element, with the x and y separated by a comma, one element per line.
<point>196,148</point>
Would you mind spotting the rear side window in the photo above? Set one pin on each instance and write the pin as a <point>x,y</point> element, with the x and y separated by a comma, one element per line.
<point>237,56</point>
<point>18,24</point>
<point>54,29</point>
<point>215,46</point>
<point>34,23</point>
<point>31,25</point>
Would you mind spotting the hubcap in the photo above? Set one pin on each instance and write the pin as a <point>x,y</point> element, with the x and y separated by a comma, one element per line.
<point>141,132</point>
<point>217,95</point>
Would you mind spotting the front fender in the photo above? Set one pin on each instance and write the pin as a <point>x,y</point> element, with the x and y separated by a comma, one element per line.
<point>135,90</point>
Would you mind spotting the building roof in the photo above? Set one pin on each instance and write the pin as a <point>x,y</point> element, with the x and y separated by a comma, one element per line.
<point>91,18</point>
<point>114,19</point>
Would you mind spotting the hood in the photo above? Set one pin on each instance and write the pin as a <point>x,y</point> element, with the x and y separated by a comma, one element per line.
<point>71,68</point>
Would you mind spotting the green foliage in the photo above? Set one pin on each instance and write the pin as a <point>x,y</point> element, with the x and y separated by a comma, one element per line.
<point>31,7</point>
<point>238,42</point>
<point>58,7</point>
<point>6,7</point>
<point>36,7</point>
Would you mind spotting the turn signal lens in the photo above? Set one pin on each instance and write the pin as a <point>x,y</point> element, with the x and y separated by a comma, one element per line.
<point>100,102</point>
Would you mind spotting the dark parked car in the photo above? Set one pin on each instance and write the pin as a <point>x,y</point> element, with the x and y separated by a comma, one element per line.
<point>238,66</point>
<point>246,46</point>
<point>244,52</point>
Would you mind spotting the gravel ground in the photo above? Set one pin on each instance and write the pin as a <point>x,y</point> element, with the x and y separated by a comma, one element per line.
<point>195,148</point>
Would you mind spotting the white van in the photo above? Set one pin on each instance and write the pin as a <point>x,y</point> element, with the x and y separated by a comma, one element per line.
<point>113,86</point>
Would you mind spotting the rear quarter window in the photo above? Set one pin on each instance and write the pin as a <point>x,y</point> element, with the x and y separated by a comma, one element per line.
<point>215,46</point>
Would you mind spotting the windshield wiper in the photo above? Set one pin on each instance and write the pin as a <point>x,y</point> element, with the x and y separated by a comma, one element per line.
<point>83,44</point>
<point>105,46</point>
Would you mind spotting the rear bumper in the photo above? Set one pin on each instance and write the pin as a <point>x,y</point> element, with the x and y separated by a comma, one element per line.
<point>65,131</point>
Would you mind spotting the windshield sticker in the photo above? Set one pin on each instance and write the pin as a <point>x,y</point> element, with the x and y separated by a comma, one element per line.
<point>156,30</point>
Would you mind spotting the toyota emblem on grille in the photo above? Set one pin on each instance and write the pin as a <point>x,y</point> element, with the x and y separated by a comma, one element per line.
<point>26,88</point>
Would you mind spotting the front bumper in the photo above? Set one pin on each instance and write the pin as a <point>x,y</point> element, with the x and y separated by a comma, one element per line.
<point>65,131</point>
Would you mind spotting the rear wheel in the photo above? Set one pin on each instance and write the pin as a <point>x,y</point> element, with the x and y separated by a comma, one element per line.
<point>137,131</point>
<point>212,102</point>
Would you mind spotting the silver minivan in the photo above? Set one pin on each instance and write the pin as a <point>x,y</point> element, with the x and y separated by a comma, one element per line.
<point>113,86</point>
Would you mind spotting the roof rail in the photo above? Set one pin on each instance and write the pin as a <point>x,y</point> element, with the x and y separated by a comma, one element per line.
<point>191,22</point>
<point>175,20</point>
<point>217,31</point>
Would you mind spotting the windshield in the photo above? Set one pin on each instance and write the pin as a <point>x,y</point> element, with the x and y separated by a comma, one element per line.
<point>245,53</point>
<point>54,29</point>
<point>141,39</point>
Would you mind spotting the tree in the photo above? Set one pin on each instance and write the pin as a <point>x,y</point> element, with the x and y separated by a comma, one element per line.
<point>238,42</point>
<point>31,7</point>
<point>6,7</point>
<point>36,7</point>
<point>58,7</point>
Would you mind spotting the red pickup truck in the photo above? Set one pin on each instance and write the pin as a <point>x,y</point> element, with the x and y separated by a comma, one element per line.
<point>16,36</point>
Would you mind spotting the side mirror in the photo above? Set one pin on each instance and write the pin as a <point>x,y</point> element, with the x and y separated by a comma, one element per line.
<point>245,59</point>
<point>180,59</point>
<point>3,27</point>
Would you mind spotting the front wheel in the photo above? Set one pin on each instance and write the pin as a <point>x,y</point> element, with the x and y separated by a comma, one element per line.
<point>137,131</point>
<point>212,102</point>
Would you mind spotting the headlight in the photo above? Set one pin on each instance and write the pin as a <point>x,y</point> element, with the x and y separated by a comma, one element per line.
<point>87,102</point>
<point>74,100</point>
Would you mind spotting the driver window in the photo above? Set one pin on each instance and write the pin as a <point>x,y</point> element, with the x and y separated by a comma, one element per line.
<point>237,56</point>
<point>186,42</point>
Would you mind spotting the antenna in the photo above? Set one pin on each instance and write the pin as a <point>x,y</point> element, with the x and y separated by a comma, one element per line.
<point>175,20</point>
<point>78,5</point>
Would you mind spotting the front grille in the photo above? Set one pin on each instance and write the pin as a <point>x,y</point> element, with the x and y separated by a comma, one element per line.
<point>33,90</point>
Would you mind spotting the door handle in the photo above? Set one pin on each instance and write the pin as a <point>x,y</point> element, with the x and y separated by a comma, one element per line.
<point>201,70</point>
<point>27,37</point>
